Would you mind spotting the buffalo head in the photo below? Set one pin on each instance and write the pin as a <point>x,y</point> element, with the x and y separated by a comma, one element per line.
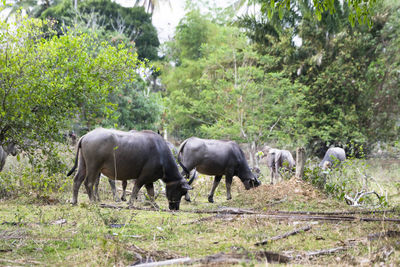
<point>253,181</point>
<point>175,191</point>
<point>11,149</point>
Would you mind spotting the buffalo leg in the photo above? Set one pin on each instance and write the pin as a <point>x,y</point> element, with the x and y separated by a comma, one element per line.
<point>217,179</point>
<point>187,197</point>
<point>228,184</point>
<point>135,191</point>
<point>150,191</point>
<point>114,190</point>
<point>124,185</point>
<point>278,175</point>
<point>78,179</point>
<point>272,174</point>
<point>96,189</point>
<point>194,176</point>
<point>91,179</point>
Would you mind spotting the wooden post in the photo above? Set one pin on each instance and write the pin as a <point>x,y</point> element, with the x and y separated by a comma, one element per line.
<point>300,162</point>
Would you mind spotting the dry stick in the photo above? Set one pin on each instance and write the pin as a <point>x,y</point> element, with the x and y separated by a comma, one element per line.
<point>325,218</point>
<point>325,251</point>
<point>304,229</point>
<point>335,212</point>
<point>163,263</point>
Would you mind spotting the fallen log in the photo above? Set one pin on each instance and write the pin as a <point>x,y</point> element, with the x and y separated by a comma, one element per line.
<point>383,234</point>
<point>164,263</point>
<point>242,257</point>
<point>336,212</point>
<point>325,251</point>
<point>223,258</point>
<point>296,231</point>
<point>302,217</point>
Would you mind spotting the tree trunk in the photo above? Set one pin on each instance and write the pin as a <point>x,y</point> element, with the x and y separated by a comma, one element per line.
<point>300,162</point>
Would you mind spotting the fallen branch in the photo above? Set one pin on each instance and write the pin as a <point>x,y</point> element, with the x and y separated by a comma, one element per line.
<point>241,257</point>
<point>325,251</point>
<point>163,263</point>
<point>325,218</point>
<point>228,210</point>
<point>383,234</point>
<point>335,212</point>
<point>304,229</point>
<point>217,216</point>
<point>359,195</point>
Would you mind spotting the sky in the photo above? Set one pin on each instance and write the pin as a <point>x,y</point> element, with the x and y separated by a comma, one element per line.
<point>168,15</point>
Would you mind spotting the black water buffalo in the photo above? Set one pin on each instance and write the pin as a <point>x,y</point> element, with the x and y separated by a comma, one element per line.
<point>143,156</point>
<point>174,152</point>
<point>332,156</point>
<point>278,159</point>
<point>4,151</point>
<point>216,157</point>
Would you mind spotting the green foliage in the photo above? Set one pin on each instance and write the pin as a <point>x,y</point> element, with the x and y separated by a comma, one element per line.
<point>45,82</point>
<point>361,10</point>
<point>348,71</point>
<point>39,175</point>
<point>347,180</point>
<point>193,31</point>
<point>132,23</point>
<point>226,92</point>
<point>138,108</point>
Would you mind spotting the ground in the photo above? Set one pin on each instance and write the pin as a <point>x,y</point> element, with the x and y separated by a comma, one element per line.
<point>47,230</point>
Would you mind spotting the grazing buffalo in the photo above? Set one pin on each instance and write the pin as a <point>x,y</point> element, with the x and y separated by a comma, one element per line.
<point>278,159</point>
<point>333,156</point>
<point>215,157</point>
<point>143,156</point>
<point>174,152</point>
<point>9,149</point>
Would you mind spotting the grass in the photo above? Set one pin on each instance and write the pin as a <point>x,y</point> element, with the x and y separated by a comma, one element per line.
<point>49,231</point>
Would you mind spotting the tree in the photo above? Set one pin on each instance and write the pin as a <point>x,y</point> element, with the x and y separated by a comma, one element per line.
<point>133,23</point>
<point>137,108</point>
<point>222,89</point>
<point>46,82</point>
<point>360,10</point>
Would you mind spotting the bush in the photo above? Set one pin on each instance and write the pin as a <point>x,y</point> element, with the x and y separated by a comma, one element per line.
<point>349,180</point>
<point>40,174</point>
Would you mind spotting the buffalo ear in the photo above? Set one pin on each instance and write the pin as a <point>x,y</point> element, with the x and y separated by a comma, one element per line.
<point>185,185</point>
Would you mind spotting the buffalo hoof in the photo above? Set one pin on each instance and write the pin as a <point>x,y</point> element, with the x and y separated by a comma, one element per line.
<point>228,198</point>
<point>210,199</point>
<point>117,200</point>
<point>123,198</point>
<point>187,198</point>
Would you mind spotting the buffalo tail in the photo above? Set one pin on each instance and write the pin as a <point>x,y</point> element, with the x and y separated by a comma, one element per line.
<point>76,157</point>
<point>179,158</point>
